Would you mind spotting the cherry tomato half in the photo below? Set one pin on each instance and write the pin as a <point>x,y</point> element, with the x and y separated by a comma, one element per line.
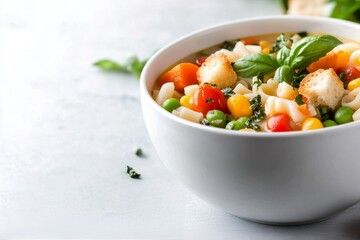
<point>208,98</point>
<point>350,73</point>
<point>279,123</point>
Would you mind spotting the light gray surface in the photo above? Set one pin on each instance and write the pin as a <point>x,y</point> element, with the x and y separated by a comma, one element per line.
<point>68,130</point>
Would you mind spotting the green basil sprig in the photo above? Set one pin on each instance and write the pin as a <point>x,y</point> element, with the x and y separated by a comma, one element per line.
<point>310,49</point>
<point>287,62</point>
<point>252,65</point>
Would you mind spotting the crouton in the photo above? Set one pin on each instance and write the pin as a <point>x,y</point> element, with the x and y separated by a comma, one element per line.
<point>217,70</point>
<point>323,87</point>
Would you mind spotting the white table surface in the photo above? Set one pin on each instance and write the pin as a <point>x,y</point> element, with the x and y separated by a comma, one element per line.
<point>68,130</point>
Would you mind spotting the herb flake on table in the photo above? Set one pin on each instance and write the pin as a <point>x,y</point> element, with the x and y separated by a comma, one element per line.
<point>132,65</point>
<point>132,173</point>
<point>138,151</point>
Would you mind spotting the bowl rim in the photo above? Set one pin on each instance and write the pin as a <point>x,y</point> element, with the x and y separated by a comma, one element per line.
<point>145,94</point>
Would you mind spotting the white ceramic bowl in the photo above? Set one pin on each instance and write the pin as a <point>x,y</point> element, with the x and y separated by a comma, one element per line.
<point>275,178</point>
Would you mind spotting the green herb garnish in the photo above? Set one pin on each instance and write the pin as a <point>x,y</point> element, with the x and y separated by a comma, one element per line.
<point>209,100</point>
<point>132,65</point>
<point>289,62</point>
<point>258,114</point>
<point>228,92</point>
<point>228,45</point>
<point>326,112</point>
<point>281,42</point>
<point>132,173</point>
<point>259,80</point>
<point>299,100</point>
<point>251,65</point>
<point>205,122</point>
<point>138,152</point>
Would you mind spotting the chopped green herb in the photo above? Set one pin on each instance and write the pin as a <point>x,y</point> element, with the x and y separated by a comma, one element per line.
<point>258,114</point>
<point>132,65</point>
<point>302,34</point>
<point>299,100</point>
<point>138,152</point>
<point>228,92</point>
<point>210,100</point>
<point>205,122</point>
<point>132,173</point>
<point>259,80</point>
<point>298,78</point>
<point>281,42</point>
<point>342,76</point>
<point>228,45</point>
<point>326,112</point>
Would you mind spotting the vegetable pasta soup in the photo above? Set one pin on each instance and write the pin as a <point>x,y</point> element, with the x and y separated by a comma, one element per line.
<point>272,83</point>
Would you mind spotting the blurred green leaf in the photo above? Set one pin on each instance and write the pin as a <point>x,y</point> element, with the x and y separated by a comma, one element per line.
<point>132,65</point>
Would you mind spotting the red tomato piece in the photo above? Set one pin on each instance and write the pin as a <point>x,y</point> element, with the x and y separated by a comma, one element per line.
<point>201,60</point>
<point>279,123</point>
<point>208,98</point>
<point>250,41</point>
<point>351,73</point>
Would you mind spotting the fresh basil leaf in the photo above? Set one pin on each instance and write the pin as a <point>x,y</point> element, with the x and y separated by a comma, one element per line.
<point>284,74</point>
<point>110,65</point>
<point>284,4</point>
<point>131,65</point>
<point>282,55</point>
<point>310,49</point>
<point>252,65</point>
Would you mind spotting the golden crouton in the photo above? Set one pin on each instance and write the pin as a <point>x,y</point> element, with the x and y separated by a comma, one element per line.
<point>217,70</point>
<point>323,87</point>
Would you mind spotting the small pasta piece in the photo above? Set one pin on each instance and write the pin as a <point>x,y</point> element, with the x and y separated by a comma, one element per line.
<point>346,47</point>
<point>166,91</point>
<point>286,91</point>
<point>191,89</point>
<point>240,50</point>
<point>188,114</point>
<point>247,130</point>
<point>275,105</point>
<point>229,54</point>
<point>352,99</point>
<point>266,90</point>
<point>356,115</point>
<point>241,89</point>
<point>254,48</point>
<point>355,59</point>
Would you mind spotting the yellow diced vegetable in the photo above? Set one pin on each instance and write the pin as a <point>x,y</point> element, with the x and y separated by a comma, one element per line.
<point>186,101</point>
<point>266,50</point>
<point>311,124</point>
<point>264,44</point>
<point>354,84</point>
<point>239,106</point>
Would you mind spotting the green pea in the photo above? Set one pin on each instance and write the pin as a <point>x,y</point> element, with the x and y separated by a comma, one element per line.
<point>329,123</point>
<point>216,118</point>
<point>344,115</point>
<point>242,121</point>
<point>171,104</point>
<point>234,125</point>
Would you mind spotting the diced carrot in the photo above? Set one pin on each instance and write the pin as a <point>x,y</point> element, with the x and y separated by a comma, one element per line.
<point>342,61</point>
<point>328,61</point>
<point>250,41</point>
<point>304,110</point>
<point>181,75</point>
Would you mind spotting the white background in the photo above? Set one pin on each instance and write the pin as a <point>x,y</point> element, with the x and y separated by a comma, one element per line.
<point>68,130</point>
